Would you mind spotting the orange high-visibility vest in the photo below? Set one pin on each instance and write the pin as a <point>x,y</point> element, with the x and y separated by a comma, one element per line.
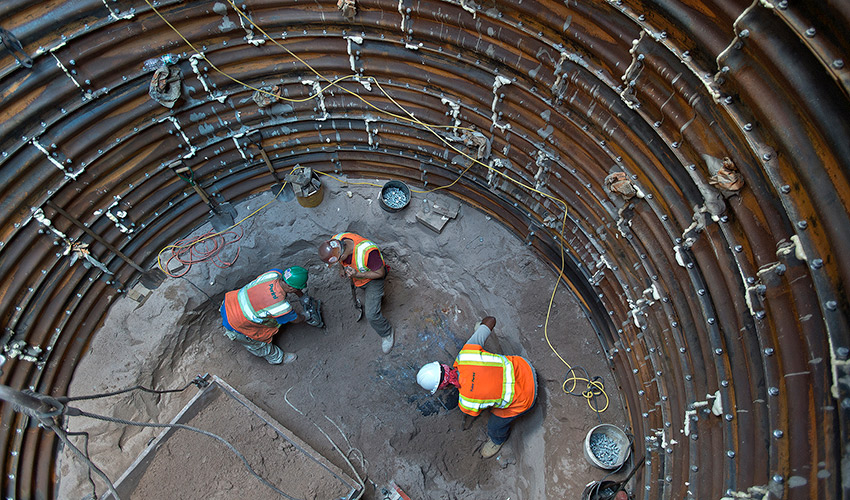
<point>362,248</point>
<point>252,309</point>
<point>487,380</point>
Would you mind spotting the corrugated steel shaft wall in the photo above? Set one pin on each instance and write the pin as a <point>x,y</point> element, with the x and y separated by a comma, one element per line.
<point>695,288</point>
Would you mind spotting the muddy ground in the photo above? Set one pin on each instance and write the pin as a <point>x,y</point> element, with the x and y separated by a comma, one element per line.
<point>342,387</point>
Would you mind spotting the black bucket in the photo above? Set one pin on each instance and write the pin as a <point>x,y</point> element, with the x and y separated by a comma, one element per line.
<point>395,195</point>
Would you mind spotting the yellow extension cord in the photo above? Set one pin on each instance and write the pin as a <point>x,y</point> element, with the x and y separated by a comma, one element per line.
<point>594,388</point>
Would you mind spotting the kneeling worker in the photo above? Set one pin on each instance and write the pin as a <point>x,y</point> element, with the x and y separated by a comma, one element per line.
<point>253,314</point>
<point>506,384</point>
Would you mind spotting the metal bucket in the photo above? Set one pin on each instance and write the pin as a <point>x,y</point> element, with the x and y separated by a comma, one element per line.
<point>313,199</point>
<point>391,187</point>
<point>620,440</point>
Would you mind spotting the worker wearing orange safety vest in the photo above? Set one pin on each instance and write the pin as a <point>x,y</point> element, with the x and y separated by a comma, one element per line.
<point>505,384</point>
<point>252,315</point>
<point>361,261</point>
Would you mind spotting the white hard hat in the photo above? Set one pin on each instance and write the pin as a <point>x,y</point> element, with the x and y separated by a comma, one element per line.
<point>430,376</point>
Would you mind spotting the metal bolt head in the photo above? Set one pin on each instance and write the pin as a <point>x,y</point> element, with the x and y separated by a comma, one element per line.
<point>739,248</point>
<point>711,321</point>
<point>744,33</point>
<point>773,391</point>
<point>777,478</point>
<point>718,351</point>
<point>767,156</point>
<point>694,467</point>
<point>817,263</point>
<point>730,454</point>
<point>724,383</point>
<point>768,351</point>
<point>728,99</point>
<point>802,224</point>
<point>838,63</point>
<point>689,377</point>
<point>694,436</point>
<point>748,126</point>
<point>785,189</point>
<point>778,433</point>
<point>831,305</point>
<point>810,32</point>
<point>843,353</point>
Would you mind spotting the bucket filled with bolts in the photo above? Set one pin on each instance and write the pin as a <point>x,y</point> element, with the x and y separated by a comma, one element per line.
<point>395,195</point>
<point>606,446</point>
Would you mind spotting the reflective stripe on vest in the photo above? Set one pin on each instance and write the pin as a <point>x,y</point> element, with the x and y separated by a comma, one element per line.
<point>362,247</point>
<point>267,314</point>
<point>475,357</point>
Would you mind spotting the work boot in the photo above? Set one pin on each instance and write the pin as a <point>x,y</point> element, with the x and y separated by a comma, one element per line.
<point>387,342</point>
<point>288,357</point>
<point>490,448</point>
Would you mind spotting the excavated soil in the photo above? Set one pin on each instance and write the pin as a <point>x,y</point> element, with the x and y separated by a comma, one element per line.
<point>342,388</point>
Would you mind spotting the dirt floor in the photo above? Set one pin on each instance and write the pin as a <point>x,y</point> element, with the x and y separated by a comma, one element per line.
<point>342,388</point>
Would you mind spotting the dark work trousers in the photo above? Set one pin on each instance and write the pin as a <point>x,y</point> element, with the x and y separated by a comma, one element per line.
<point>373,292</point>
<point>499,428</point>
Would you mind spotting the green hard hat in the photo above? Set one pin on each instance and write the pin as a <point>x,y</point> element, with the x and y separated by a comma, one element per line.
<point>296,277</point>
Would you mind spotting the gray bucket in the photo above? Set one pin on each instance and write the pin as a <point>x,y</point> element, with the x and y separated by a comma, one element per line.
<point>620,442</point>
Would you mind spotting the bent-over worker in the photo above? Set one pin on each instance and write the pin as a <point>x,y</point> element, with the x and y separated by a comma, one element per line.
<point>361,261</point>
<point>252,315</point>
<point>505,384</point>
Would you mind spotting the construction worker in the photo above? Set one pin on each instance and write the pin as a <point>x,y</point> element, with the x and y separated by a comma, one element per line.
<point>506,384</point>
<point>361,261</point>
<point>253,314</point>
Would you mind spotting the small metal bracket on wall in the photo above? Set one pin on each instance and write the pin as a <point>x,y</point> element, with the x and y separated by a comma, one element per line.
<point>14,46</point>
<point>222,215</point>
<point>279,187</point>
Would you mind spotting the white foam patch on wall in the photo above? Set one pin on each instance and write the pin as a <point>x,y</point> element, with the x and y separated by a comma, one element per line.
<point>192,149</point>
<point>194,59</point>
<point>498,83</point>
<point>317,88</point>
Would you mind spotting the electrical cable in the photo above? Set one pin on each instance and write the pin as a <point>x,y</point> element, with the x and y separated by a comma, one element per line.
<point>65,399</point>
<point>592,386</point>
<point>206,247</point>
<point>359,479</point>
